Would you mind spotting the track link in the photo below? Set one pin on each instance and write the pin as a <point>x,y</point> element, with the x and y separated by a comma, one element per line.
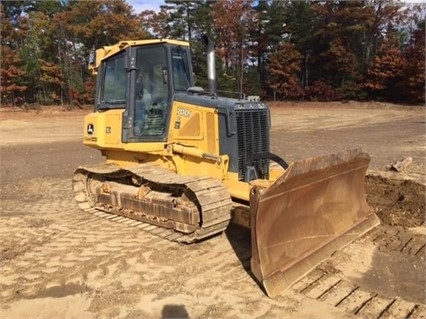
<point>202,202</point>
<point>345,295</point>
<point>397,239</point>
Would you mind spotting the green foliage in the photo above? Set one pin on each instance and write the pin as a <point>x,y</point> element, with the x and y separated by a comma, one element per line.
<point>44,50</point>
<point>226,82</point>
<point>284,49</point>
<point>252,84</point>
<point>351,90</point>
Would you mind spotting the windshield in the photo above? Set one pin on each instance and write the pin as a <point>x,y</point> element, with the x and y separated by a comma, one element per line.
<point>152,91</point>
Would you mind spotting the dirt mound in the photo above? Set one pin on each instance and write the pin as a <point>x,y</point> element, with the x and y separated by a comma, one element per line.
<point>396,202</point>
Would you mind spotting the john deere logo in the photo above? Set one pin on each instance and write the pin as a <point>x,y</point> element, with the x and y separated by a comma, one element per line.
<point>90,129</point>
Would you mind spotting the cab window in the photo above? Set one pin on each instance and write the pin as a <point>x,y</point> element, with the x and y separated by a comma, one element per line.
<point>181,76</point>
<point>115,82</point>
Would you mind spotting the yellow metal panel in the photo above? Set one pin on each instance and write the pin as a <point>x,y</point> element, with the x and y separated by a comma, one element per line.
<point>112,128</point>
<point>191,129</point>
<point>191,165</point>
<point>126,159</point>
<point>193,125</point>
<point>183,117</point>
<point>237,188</point>
<point>211,129</point>
<point>145,147</point>
<point>106,129</point>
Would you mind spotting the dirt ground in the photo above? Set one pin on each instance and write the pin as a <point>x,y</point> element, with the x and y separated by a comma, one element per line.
<point>58,262</point>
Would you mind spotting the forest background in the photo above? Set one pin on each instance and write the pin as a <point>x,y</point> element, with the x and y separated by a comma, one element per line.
<point>279,50</point>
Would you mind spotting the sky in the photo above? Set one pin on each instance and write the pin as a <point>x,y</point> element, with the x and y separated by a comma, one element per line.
<point>140,5</point>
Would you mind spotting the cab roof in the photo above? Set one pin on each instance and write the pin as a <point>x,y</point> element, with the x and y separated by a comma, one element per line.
<point>110,50</point>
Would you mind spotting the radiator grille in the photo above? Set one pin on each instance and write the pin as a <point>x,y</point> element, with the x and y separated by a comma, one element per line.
<point>253,144</point>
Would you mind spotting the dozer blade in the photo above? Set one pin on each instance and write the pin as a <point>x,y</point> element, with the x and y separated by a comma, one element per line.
<point>316,207</point>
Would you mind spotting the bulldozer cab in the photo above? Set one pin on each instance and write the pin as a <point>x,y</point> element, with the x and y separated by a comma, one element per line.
<point>142,79</point>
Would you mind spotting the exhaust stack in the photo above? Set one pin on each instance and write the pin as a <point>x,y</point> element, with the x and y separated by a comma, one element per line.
<point>211,63</point>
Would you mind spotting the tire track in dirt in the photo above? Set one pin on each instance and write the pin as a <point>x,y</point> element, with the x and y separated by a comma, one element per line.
<point>343,294</point>
<point>76,247</point>
<point>398,239</point>
<point>72,254</point>
<point>320,285</point>
<point>59,251</point>
<point>331,284</point>
<point>61,246</point>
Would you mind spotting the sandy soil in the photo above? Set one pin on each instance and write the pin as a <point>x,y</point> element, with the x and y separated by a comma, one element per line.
<point>56,261</point>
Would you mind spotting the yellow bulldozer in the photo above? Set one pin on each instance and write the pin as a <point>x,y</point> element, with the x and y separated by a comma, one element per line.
<point>183,162</point>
